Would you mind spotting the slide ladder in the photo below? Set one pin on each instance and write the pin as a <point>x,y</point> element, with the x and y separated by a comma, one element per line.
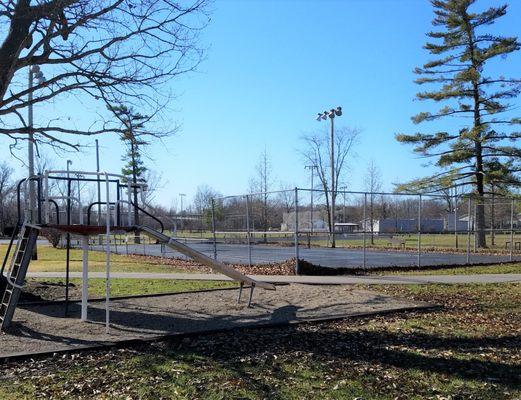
<point>204,259</point>
<point>15,277</point>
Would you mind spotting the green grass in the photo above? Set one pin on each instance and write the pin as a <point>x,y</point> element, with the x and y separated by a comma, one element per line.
<point>53,260</point>
<point>443,241</point>
<point>129,287</point>
<point>468,350</point>
<point>463,270</point>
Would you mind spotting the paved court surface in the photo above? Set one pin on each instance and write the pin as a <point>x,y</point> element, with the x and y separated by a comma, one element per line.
<point>334,258</point>
<point>320,280</point>
<point>42,328</point>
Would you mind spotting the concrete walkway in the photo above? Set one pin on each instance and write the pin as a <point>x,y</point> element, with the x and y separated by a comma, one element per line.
<point>322,280</point>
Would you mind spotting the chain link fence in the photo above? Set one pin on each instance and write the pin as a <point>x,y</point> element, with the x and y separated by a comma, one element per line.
<point>369,230</point>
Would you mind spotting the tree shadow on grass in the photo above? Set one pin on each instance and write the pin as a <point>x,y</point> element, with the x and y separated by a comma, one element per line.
<point>405,351</point>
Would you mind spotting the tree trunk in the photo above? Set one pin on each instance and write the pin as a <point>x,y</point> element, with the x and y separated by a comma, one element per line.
<point>480,238</point>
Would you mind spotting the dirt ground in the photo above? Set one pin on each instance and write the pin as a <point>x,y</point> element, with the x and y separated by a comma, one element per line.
<point>43,328</point>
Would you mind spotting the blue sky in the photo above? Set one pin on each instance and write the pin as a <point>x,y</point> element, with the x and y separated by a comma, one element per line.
<point>270,67</point>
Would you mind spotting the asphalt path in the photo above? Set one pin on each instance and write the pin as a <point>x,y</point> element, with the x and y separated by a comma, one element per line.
<point>319,280</point>
<point>333,258</point>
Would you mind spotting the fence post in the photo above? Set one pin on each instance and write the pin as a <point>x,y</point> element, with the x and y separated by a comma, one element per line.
<point>248,228</point>
<point>469,227</point>
<point>456,219</point>
<point>297,264</point>
<point>419,230</point>
<point>511,256</point>
<point>474,226</point>
<point>365,227</point>
<point>213,231</point>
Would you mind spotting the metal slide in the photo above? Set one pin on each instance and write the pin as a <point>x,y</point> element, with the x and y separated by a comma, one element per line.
<point>203,259</point>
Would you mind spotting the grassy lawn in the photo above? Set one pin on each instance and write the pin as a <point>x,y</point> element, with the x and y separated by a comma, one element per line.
<point>443,241</point>
<point>468,350</point>
<point>463,270</point>
<point>127,287</point>
<point>53,260</point>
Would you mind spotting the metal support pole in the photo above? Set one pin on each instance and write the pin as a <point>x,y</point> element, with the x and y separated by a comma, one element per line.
<point>213,231</point>
<point>85,278</point>
<point>107,258</point>
<point>474,218</point>
<point>365,227</point>
<point>68,251</point>
<point>297,264</point>
<point>456,218</point>
<point>248,228</point>
<point>251,294</point>
<point>344,210</point>
<point>511,255</point>
<point>30,147</point>
<point>469,228</point>
<point>99,185</point>
<point>333,242</point>
<point>241,286</point>
<point>311,214</point>
<point>419,230</point>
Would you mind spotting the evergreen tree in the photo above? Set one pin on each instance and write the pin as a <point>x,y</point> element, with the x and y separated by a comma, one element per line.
<point>133,136</point>
<point>464,45</point>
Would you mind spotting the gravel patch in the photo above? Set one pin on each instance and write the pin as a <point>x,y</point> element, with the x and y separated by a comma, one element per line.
<point>43,328</point>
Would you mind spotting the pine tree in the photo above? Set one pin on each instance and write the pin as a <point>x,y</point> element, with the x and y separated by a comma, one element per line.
<point>458,77</point>
<point>133,137</point>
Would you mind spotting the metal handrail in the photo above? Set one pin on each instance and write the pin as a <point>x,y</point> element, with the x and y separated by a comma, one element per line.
<point>89,208</point>
<point>151,216</point>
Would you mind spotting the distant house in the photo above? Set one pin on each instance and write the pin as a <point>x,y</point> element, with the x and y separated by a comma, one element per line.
<point>305,221</point>
<point>461,224</point>
<point>403,225</point>
<point>346,227</point>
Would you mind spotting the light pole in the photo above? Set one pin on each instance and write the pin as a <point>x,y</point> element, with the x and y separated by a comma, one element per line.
<point>311,168</point>
<point>323,116</point>
<point>69,163</point>
<point>34,73</point>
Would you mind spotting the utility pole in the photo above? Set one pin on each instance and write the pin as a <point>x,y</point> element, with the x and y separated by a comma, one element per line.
<point>34,72</point>
<point>323,116</point>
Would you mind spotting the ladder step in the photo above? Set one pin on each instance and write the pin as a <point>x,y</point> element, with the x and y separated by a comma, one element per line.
<point>16,273</point>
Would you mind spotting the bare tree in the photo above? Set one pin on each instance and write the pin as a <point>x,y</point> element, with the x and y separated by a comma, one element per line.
<point>261,183</point>
<point>112,51</point>
<point>203,198</point>
<point>373,184</point>
<point>286,197</point>
<point>6,196</point>
<point>154,182</point>
<point>317,152</point>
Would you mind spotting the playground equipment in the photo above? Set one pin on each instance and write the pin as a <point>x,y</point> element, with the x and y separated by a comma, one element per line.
<point>115,214</point>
